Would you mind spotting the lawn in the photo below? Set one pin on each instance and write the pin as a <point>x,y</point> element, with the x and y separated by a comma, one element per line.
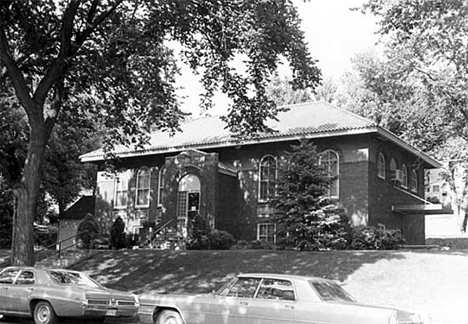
<point>431,281</point>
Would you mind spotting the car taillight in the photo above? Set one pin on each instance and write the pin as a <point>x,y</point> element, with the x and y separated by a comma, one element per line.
<point>137,301</point>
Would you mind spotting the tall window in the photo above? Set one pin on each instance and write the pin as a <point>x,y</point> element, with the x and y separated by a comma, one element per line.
<point>381,166</point>
<point>266,232</point>
<point>161,185</point>
<point>392,168</point>
<point>404,182</point>
<point>414,181</point>
<point>143,187</point>
<point>267,177</point>
<point>330,161</point>
<point>121,189</point>
<point>188,202</point>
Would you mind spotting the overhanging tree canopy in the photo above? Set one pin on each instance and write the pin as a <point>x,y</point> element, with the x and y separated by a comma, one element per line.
<point>108,61</point>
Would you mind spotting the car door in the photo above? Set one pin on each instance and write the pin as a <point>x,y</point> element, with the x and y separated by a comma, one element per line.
<point>7,277</point>
<point>231,305</point>
<point>274,303</point>
<point>20,292</point>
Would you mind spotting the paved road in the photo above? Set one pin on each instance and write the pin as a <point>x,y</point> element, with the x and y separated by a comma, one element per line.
<point>132,320</point>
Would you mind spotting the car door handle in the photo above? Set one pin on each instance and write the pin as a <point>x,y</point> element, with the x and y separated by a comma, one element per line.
<point>289,306</point>
<point>30,289</point>
<point>244,303</point>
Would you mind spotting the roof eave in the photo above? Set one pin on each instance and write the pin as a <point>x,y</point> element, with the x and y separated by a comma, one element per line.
<point>90,157</point>
<point>398,141</point>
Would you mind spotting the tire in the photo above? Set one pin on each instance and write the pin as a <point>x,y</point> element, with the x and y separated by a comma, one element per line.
<point>44,313</point>
<point>169,317</point>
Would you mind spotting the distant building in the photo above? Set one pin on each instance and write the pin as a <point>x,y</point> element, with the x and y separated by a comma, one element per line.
<point>204,171</point>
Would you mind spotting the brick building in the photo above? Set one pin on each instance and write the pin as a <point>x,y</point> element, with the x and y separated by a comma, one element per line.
<point>204,171</point>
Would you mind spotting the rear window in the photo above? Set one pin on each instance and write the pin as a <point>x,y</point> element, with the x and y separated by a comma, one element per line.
<point>330,291</point>
<point>72,278</point>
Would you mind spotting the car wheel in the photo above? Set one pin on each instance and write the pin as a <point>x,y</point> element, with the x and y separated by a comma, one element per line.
<point>169,317</point>
<point>44,313</point>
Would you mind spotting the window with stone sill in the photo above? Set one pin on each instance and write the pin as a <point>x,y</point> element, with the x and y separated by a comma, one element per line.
<point>121,190</point>
<point>266,232</point>
<point>143,182</point>
<point>268,177</point>
<point>414,181</point>
<point>329,159</point>
<point>381,166</point>
<point>404,182</point>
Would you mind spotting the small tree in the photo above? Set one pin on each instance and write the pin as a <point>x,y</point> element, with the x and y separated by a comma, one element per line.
<point>88,230</point>
<point>117,234</point>
<point>308,219</point>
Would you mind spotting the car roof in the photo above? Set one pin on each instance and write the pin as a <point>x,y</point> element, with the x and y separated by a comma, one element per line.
<point>36,268</point>
<point>281,276</point>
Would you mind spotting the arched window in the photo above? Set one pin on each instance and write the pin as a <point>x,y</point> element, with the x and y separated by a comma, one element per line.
<point>381,166</point>
<point>414,181</point>
<point>330,161</point>
<point>404,181</point>
<point>267,178</point>
<point>121,189</point>
<point>161,184</point>
<point>143,181</point>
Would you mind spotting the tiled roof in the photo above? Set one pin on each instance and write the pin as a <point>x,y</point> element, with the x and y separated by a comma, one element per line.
<point>311,120</point>
<point>299,120</point>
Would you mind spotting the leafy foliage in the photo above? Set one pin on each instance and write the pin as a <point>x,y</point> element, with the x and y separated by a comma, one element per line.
<point>309,219</point>
<point>371,238</point>
<point>430,37</point>
<point>70,62</point>
<point>87,231</point>
<point>117,234</point>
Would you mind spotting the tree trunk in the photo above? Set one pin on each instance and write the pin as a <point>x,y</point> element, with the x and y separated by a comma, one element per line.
<point>22,250</point>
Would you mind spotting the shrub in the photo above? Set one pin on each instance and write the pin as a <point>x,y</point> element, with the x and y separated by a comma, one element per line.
<point>200,242</point>
<point>371,238</point>
<point>260,245</point>
<point>117,234</point>
<point>220,240</point>
<point>241,245</point>
<point>87,231</point>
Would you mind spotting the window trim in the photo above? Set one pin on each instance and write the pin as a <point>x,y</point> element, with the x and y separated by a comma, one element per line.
<point>260,180</point>
<point>122,174</point>
<point>137,188</point>
<point>404,182</point>
<point>381,166</point>
<point>160,184</point>
<point>413,183</point>
<point>337,172</point>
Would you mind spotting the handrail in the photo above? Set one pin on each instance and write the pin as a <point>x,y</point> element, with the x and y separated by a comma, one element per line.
<point>60,250</point>
<point>163,226</point>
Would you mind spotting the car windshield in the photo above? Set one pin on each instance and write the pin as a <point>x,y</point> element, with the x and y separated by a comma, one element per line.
<point>72,278</point>
<point>330,291</point>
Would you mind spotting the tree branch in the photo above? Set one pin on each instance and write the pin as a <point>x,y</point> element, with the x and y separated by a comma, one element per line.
<point>17,77</point>
<point>81,38</point>
<point>59,66</point>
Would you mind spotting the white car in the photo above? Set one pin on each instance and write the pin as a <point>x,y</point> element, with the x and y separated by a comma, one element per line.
<point>270,299</point>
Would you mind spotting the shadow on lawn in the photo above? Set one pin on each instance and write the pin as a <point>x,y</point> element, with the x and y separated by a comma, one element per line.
<point>204,271</point>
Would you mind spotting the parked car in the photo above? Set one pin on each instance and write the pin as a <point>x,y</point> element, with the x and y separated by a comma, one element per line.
<point>270,299</point>
<point>47,294</point>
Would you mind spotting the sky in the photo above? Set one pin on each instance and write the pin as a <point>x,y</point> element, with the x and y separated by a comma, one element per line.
<point>333,32</point>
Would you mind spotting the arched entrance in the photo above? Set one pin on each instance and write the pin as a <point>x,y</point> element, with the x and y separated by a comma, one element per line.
<point>188,202</point>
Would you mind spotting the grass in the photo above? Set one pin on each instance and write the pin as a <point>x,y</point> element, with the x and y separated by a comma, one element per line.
<point>431,281</point>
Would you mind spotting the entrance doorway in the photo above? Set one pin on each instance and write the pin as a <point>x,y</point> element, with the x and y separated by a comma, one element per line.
<point>188,202</point>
